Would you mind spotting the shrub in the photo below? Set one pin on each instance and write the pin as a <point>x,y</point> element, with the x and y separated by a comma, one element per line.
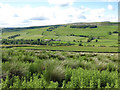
<point>42,56</point>
<point>61,57</point>
<point>68,74</point>
<point>5,58</point>
<point>101,66</point>
<point>36,67</point>
<point>109,33</point>
<point>80,44</point>
<point>54,71</point>
<point>29,59</point>
<point>70,55</point>
<point>91,79</point>
<point>16,69</point>
<point>71,63</point>
<point>112,67</point>
<point>53,84</point>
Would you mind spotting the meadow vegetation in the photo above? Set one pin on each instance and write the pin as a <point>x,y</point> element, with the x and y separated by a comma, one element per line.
<point>61,56</point>
<point>56,69</point>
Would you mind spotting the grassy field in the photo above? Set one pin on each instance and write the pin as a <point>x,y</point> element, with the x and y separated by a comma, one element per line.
<point>65,48</point>
<point>73,48</point>
<point>64,34</point>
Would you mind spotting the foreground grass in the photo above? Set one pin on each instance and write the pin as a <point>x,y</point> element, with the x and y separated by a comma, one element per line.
<point>56,69</point>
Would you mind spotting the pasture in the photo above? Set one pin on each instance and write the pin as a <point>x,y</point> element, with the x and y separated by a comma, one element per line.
<point>104,35</point>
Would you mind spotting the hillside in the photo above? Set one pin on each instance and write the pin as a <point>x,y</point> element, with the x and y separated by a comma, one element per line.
<point>105,35</point>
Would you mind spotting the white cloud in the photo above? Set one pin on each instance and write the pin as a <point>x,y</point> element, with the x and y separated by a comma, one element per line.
<point>95,15</point>
<point>110,7</point>
<point>97,11</point>
<point>43,15</point>
<point>61,2</point>
<point>38,16</point>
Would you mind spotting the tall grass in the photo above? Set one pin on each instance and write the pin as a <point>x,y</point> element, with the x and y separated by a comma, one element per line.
<point>47,69</point>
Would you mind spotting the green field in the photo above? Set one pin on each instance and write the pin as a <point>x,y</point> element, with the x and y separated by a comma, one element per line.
<point>64,34</point>
<point>107,39</point>
<point>72,48</point>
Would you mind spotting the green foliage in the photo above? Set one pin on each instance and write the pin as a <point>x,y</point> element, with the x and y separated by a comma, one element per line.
<point>116,84</point>
<point>83,26</point>
<point>75,70</point>
<point>92,79</point>
<point>99,83</point>
<point>36,67</point>
<point>14,69</point>
<point>10,37</point>
<point>107,86</point>
<point>53,85</point>
<point>109,33</point>
<point>54,71</point>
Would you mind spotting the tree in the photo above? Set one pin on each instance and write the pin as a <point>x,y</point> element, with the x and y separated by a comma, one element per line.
<point>88,40</point>
<point>109,33</point>
<point>96,40</point>
<point>38,40</point>
<point>74,41</point>
<point>80,44</point>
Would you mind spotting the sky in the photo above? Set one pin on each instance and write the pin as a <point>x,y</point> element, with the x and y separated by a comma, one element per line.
<point>24,13</point>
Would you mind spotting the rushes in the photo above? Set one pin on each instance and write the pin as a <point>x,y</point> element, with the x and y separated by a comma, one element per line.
<point>48,69</point>
<point>15,69</point>
<point>54,71</point>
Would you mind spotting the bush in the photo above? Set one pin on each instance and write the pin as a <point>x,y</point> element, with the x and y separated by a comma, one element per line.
<point>109,33</point>
<point>54,71</point>
<point>5,58</point>
<point>70,55</point>
<point>91,79</point>
<point>43,56</point>
<point>29,59</point>
<point>16,69</point>
<point>61,57</point>
<point>36,67</point>
<point>71,63</point>
<point>80,44</point>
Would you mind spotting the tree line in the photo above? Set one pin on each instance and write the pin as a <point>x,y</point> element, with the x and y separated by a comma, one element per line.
<point>13,36</point>
<point>83,26</point>
<point>35,42</point>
